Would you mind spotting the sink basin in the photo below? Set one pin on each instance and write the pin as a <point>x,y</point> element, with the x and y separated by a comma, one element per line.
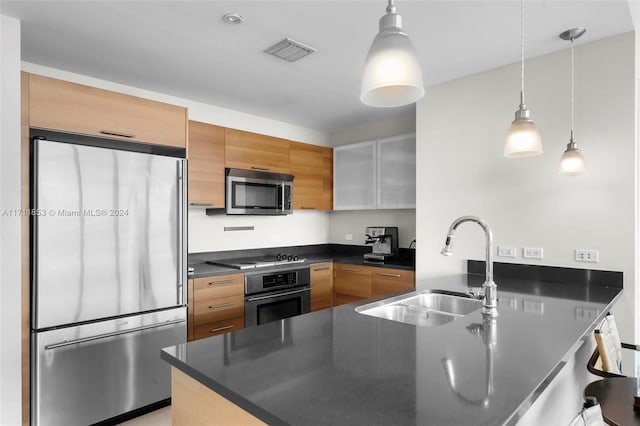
<point>426,308</point>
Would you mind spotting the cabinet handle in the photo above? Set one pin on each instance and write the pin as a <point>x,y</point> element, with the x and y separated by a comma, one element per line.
<point>389,275</point>
<point>307,208</point>
<point>260,168</point>
<point>213,330</point>
<point>122,135</point>
<point>351,270</point>
<point>221,282</point>
<point>321,269</point>
<point>221,305</point>
<point>201,204</point>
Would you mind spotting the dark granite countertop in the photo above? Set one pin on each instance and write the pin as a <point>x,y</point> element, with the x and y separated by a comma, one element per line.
<point>313,254</point>
<point>336,366</point>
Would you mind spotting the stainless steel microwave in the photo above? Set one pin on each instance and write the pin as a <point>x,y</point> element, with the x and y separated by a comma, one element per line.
<point>254,192</point>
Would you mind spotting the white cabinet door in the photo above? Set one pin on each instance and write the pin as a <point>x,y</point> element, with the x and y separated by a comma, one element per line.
<point>354,176</point>
<point>396,166</point>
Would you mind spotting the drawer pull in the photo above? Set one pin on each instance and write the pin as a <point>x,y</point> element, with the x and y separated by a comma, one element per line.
<point>321,269</point>
<point>214,330</point>
<point>351,270</point>
<point>201,204</point>
<point>221,305</point>
<point>307,208</point>
<point>389,275</point>
<point>221,282</point>
<point>122,135</point>
<point>260,168</point>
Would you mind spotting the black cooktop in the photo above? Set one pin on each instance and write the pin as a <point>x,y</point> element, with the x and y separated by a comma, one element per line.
<point>258,262</point>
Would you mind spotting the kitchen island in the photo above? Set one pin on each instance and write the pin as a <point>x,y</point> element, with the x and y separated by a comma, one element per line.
<point>337,366</point>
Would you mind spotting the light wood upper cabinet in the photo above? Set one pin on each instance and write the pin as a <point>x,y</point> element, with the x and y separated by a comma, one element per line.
<point>70,107</point>
<point>312,167</point>
<point>321,286</point>
<point>206,164</point>
<point>252,151</point>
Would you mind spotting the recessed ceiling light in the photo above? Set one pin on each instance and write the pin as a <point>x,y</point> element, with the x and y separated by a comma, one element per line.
<point>232,18</point>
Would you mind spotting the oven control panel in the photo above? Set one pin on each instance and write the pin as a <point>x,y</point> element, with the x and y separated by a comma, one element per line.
<point>276,280</point>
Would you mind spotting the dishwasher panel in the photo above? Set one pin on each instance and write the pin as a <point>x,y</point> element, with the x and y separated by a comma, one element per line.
<point>93,372</point>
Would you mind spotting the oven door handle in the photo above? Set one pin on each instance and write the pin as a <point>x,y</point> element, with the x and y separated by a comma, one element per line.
<point>271,296</point>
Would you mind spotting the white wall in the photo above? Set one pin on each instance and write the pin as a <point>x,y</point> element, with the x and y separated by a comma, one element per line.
<point>460,133</point>
<point>10,329</point>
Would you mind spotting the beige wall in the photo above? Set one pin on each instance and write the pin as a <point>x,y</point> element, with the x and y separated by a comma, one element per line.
<point>460,133</point>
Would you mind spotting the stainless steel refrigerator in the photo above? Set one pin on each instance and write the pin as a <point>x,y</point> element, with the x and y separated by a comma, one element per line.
<point>108,279</point>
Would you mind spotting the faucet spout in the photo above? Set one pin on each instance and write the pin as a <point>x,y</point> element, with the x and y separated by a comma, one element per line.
<point>490,301</point>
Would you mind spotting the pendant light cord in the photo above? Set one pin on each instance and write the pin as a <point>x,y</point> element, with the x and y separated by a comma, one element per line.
<point>522,52</point>
<point>572,89</point>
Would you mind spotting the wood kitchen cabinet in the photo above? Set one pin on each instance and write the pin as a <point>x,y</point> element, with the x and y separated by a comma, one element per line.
<point>351,283</point>
<point>312,166</point>
<point>70,107</point>
<point>387,280</point>
<point>357,282</point>
<point>215,306</point>
<point>206,165</point>
<point>252,151</point>
<point>321,286</point>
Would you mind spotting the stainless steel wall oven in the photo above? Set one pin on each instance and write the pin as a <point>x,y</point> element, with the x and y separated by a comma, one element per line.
<point>275,295</point>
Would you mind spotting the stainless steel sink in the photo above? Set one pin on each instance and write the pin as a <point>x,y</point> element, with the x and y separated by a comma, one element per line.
<point>425,308</point>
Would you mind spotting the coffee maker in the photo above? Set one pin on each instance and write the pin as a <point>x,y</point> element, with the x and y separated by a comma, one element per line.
<point>385,243</point>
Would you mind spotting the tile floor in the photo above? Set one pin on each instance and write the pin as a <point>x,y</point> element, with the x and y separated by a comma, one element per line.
<point>161,417</point>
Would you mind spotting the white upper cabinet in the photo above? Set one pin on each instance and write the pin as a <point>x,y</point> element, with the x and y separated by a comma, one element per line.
<point>396,162</point>
<point>378,174</point>
<point>354,176</point>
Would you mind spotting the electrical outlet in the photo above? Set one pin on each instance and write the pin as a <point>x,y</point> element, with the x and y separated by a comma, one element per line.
<point>587,255</point>
<point>505,251</point>
<point>532,253</point>
<point>348,237</point>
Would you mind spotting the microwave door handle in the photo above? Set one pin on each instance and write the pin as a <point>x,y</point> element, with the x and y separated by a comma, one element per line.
<point>282,193</point>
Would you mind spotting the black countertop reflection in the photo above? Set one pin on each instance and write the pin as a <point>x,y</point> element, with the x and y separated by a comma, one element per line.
<point>339,367</point>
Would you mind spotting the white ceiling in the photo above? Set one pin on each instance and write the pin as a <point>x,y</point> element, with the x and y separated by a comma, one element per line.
<point>183,48</point>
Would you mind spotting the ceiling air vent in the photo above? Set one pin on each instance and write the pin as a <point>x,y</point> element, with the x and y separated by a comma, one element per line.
<point>290,50</point>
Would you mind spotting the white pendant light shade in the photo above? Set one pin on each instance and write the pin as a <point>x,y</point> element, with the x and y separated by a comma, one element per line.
<point>523,137</point>
<point>392,75</point>
<point>572,163</point>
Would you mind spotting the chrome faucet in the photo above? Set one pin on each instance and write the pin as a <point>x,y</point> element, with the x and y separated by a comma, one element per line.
<point>489,290</point>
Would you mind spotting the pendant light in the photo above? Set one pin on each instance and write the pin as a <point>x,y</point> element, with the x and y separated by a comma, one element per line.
<point>572,162</point>
<point>392,75</point>
<point>523,137</point>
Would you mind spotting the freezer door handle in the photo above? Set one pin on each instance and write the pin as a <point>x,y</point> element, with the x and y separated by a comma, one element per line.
<point>105,335</point>
<point>182,231</point>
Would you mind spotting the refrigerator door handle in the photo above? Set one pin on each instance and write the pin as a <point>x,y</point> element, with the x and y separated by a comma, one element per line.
<point>105,335</point>
<point>182,232</point>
